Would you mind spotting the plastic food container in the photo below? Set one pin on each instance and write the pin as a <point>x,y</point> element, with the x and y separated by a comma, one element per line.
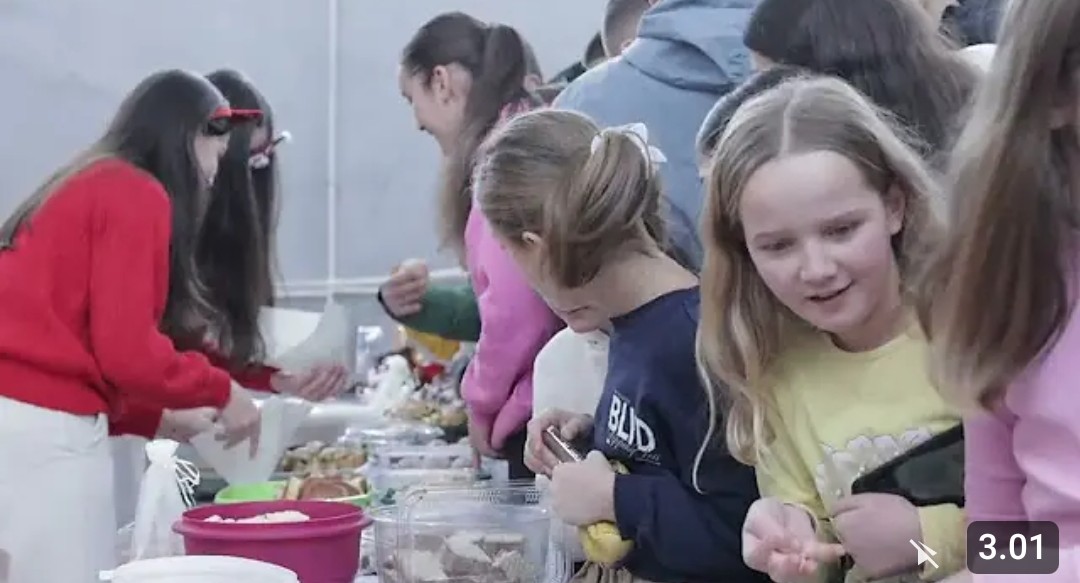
<point>200,570</point>
<point>320,550</point>
<point>468,534</point>
<point>396,433</point>
<point>270,491</point>
<point>427,457</point>
<point>393,481</point>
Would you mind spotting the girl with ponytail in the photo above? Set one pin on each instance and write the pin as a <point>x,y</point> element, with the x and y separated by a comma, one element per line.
<point>463,77</point>
<point>579,210</point>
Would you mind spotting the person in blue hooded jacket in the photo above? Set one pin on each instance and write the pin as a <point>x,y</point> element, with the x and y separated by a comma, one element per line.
<point>686,55</point>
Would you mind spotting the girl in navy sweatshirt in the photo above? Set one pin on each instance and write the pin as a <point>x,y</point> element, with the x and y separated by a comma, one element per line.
<point>580,210</point>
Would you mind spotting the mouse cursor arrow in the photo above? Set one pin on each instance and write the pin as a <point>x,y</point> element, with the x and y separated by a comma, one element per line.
<point>926,553</point>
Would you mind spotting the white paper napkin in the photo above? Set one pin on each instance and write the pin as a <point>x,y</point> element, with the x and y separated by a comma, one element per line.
<point>296,340</point>
<point>281,417</point>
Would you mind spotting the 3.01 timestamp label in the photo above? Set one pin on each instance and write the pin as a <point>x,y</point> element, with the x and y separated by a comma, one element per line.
<point>1012,548</point>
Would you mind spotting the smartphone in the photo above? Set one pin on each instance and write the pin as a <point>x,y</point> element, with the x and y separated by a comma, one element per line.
<point>926,475</point>
<point>562,448</point>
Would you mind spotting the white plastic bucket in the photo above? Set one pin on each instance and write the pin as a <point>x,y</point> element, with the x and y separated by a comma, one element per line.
<point>200,569</point>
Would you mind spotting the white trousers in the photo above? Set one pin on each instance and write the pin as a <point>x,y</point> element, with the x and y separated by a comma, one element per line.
<point>57,522</point>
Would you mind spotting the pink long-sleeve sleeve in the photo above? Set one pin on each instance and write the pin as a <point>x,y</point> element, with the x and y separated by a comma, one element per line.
<point>993,481</point>
<point>515,323</point>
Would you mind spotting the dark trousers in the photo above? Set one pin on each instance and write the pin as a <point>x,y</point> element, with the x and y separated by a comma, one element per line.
<point>514,453</point>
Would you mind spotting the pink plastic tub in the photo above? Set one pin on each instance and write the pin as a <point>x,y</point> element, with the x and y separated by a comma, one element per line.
<point>324,549</point>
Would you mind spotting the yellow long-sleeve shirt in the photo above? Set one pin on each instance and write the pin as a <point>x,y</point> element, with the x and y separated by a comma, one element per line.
<point>841,414</point>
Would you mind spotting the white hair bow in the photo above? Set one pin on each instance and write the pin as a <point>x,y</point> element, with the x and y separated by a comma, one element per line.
<point>639,133</point>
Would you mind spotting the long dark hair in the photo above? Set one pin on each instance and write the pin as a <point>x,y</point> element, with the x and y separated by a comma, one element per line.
<point>889,50</point>
<point>235,247</point>
<point>154,130</point>
<point>494,55</point>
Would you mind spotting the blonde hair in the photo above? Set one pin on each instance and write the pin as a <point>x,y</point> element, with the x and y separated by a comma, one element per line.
<point>539,174</point>
<point>743,326</point>
<point>998,293</point>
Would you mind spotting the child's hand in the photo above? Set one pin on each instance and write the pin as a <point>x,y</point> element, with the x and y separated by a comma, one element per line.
<point>183,424</point>
<point>571,426</point>
<point>403,293</point>
<point>779,540</point>
<point>480,439</point>
<point>319,383</point>
<point>583,493</point>
<point>878,552</point>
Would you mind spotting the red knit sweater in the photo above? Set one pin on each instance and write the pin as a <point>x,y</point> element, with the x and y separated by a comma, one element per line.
<point>81,297</point>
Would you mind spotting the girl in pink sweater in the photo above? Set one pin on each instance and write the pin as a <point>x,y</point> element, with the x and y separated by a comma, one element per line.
<point>463,77</point>
<point>1002,300</point>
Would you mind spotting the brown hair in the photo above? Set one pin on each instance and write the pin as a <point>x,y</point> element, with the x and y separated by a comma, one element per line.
<point>998,294</point>
<point>153,130</point>
<point>539,174</point>
<point>496,59</point>
<point>743,327</point>
<point>890,50</point>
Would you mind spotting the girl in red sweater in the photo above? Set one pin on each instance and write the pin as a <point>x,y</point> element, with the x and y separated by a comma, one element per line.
<point>99,303</point>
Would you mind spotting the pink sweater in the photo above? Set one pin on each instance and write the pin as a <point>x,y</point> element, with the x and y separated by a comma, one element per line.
<point>1023,461</point>
<point>515,323</point>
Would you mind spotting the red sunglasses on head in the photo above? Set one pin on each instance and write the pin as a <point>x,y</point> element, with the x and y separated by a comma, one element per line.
<point>224,118</point>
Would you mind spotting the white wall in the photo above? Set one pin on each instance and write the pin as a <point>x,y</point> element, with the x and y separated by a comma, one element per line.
<point>66,64</point>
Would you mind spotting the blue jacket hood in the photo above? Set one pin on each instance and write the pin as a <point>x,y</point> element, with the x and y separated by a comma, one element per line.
<point>694,44</point>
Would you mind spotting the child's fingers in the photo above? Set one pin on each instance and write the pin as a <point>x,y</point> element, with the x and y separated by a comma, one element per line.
<point>756,552</point>
<point>764,528</point>
<point>824,553</point>
<point>807,566</point>
<point>784,567</point>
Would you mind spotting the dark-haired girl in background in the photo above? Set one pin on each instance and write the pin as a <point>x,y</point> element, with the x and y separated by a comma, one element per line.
<point>719,116</point>
<point>890,50</point>
<point>234,251</point>
<point>462,77</point>
<point>101,314</point>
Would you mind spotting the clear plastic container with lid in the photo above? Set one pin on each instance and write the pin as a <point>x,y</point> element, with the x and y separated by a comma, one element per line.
<point>470,534</point>
<point>392,434</point>
<point>426,457</point>
<point>396,468</point>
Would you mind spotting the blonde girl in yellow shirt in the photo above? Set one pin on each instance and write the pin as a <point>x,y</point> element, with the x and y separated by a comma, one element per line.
<point>818,214</point>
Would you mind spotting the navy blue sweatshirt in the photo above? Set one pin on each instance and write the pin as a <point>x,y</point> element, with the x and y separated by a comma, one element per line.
<point>652,417</point>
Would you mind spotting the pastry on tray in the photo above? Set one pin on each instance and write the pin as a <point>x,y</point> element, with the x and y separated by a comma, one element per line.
<point>323,488</point>
<point>318,458</point>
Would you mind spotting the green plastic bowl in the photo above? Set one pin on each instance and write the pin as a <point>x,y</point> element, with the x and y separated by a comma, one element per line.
<point>266,491</point>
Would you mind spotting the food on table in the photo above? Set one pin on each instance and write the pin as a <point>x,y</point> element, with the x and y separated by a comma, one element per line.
<point>463,556</point>
<point>279,517</point>
<point>433,410</point>
<point>323,488</point>
<point>317,458</point>
<point>428,392</point>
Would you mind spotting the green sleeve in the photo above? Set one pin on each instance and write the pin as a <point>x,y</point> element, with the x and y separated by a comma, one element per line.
<point>448,311</point>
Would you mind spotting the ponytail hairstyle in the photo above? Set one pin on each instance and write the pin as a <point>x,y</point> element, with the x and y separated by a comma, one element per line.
<point>495,57</point>
<point>590,195</point>
<point>999,294</point>
<point>744,329</point>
